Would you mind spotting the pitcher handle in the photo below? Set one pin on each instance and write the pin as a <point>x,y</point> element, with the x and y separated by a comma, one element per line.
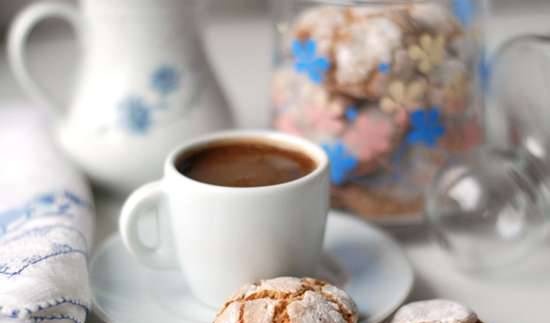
<point>18,35</point>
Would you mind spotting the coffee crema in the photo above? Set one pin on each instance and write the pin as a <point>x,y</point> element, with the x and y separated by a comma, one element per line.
<point>245,164</point>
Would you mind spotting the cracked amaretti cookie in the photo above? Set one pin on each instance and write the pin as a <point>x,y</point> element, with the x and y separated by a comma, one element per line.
<point>435,311</point>
<point>289,300</point>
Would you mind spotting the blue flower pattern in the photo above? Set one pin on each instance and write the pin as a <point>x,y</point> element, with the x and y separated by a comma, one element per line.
<point>427,127</point>
<point>18,266</point>
<point>45,199</point>
<point>464,10</point>
<point>136,114</point>
<point>342,162</point>
<point>50,204</point>
<point>307,62</point>
<point>75,199</point>
<point>165,79</point>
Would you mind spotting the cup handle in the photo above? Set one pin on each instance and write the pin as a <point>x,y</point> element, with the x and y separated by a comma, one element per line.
<point>18,36</point>
<point>144,201</point>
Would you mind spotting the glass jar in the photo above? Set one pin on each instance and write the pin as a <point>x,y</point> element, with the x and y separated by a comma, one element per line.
<point>489,208</point>
<point>390,89</point>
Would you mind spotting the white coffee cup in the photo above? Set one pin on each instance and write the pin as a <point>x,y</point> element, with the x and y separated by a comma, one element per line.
<point>223,237</point>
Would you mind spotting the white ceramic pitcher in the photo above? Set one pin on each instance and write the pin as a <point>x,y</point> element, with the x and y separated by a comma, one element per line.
<point>145,85</point>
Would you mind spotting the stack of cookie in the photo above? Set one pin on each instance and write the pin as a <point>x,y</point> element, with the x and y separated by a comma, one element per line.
<point>379,87</point>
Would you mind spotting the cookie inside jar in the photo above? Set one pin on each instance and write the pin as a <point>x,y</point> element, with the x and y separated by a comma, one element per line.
<point>387,88</point>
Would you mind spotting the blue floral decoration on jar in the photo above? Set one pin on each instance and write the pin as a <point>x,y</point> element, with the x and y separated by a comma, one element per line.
<point>136,115</point>
<point>165,79</point>
<point>351,113</point>
<point>427,127</point>
<point>384,68</point>
<point>464,10</point>
<point>342,162</point>
<point>307,62</point>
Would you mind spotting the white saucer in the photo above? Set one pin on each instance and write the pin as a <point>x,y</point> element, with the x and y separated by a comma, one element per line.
<point>361,258</point>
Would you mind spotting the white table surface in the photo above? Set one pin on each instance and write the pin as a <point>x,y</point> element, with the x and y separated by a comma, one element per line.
<point>240,51</point>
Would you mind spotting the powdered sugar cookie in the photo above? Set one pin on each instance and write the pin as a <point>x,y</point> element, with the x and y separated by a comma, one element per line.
<point>322,24</point>
<point>289,300</point>
<point>435,311</point>
<point>358,50</point>
<point>435,18</point>
<point>362,58</point>
<point>307,109</point>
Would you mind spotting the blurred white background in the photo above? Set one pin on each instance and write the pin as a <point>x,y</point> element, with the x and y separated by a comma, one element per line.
<point>234,28</point>
<point>9,7</point>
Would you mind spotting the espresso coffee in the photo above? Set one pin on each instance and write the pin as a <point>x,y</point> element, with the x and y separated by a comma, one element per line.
<point>245,164</point>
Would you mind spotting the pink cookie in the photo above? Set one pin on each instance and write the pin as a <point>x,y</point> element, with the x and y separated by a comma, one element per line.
<point>371,135</point>
<point>372,138</point>
<point>306,109</point>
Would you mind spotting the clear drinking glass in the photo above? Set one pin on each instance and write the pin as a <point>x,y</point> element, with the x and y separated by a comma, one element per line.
<point>390,89</point>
